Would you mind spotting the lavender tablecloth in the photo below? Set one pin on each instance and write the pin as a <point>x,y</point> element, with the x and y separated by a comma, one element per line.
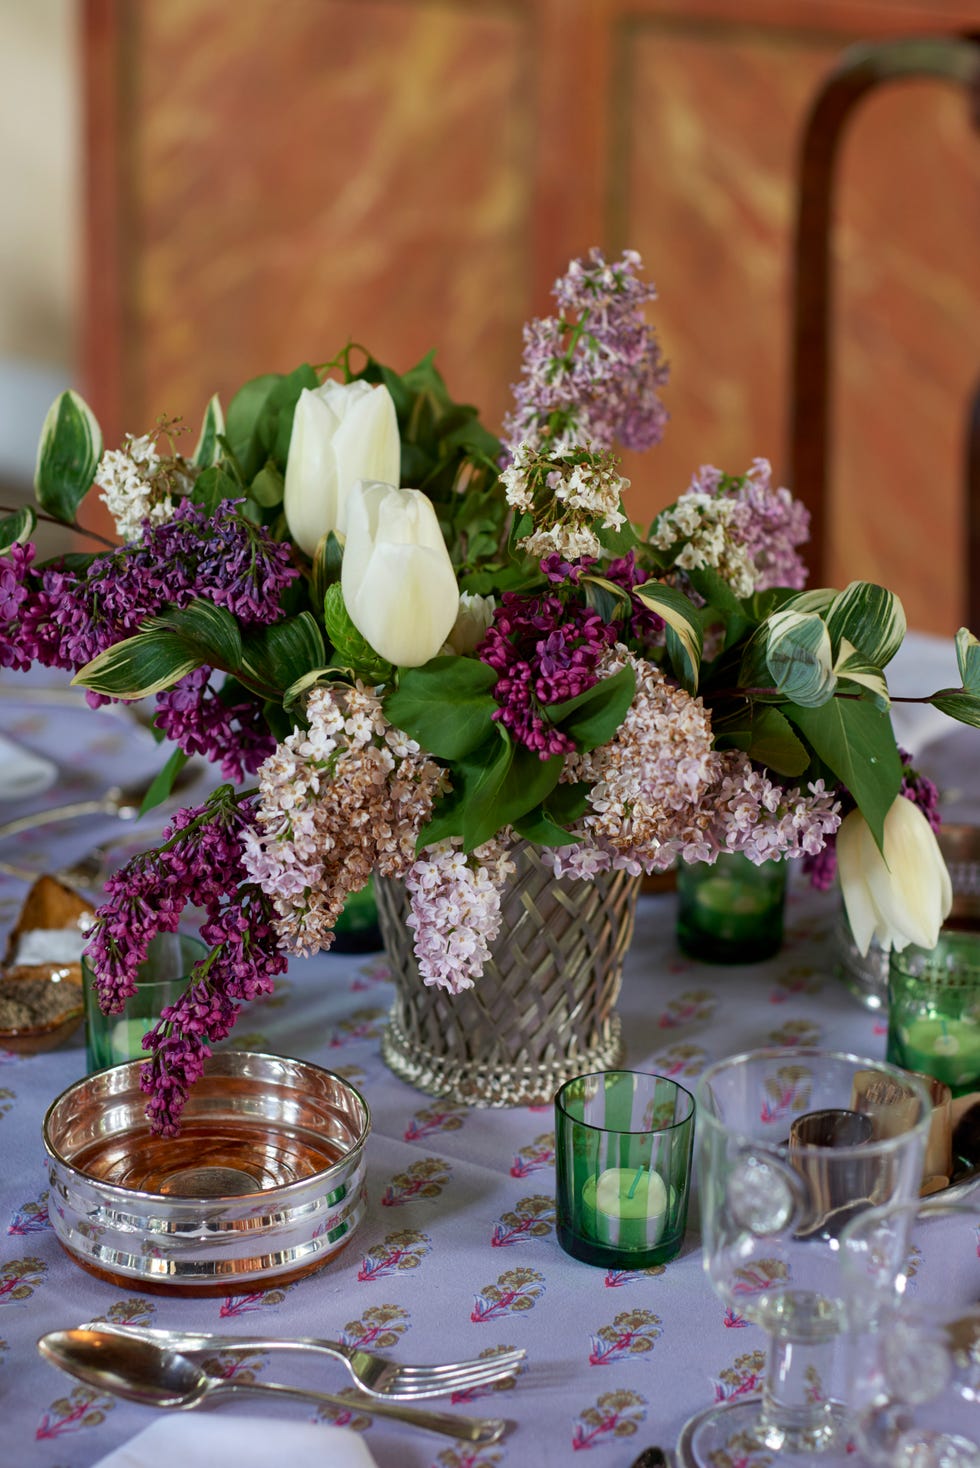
<point>457,1252</point>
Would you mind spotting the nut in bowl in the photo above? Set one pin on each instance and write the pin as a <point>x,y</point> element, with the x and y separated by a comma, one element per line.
<point>264,1184</point>
<point>41,1000</point>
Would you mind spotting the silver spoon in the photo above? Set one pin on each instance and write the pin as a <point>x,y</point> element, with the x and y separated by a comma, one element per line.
<point>146,1372</point>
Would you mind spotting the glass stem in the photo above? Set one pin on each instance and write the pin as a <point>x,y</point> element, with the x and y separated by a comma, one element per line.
<point>797,1413</point>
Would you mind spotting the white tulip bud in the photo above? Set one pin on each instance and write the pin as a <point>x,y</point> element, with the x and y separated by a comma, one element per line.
<point>342,432</point>
<point>398,581</point>
<point>902,897</point>
<point>472,620</point>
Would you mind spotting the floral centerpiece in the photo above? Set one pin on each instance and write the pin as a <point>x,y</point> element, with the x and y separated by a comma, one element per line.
<point>429,644</point>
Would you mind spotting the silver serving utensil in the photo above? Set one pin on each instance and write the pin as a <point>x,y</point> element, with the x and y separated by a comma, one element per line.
<point>146,1372</point>
<point>123,801</point>
<point>374,1374</point>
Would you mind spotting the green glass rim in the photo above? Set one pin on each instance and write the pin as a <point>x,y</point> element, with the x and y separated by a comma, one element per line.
<point>568,1085</point>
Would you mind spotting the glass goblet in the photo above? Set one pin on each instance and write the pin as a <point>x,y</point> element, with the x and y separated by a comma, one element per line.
<point>913,1277</point>
<point>792,1144</point>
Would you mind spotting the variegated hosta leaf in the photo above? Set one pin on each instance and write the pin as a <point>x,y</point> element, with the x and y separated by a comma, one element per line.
<point>684,636</point>
<point>968,658</point>
<point>68,455</point>
<point>138,666</point>
<point>871,618</point>
<point>799,658</point>
<point>18,527</point>
<point>208,449</point>
<point>853,666</point>
<point>816,599</point>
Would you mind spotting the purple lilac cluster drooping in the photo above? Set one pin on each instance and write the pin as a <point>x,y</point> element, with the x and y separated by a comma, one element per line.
<point>591,374</point>
<point>544,651</point>
<point>63,618</point>
<point>821,867</point>
<point>198,865</point>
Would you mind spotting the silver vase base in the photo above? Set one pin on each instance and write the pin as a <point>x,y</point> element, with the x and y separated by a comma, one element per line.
<point>735,1431</point>
<point>491,1080</point>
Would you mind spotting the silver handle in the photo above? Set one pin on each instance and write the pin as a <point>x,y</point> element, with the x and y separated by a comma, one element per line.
<point>185,1340</point>
<point>464,1429</point>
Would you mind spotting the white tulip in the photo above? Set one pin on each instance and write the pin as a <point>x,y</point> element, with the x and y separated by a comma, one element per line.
<point>902,897</point>
<point>342,432</point>
<point>398,581</point>
<point>472,620</point>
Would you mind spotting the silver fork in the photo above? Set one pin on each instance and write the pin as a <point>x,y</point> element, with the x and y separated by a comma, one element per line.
<point>373,1374</point>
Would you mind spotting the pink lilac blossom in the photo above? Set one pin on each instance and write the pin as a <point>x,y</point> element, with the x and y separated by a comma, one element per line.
<point>347,795</point>
<point>455,910</point>
<point>199,865</point>
<point>545,650</point>
<point>739,526</point>
<point>659,791</point>
<point>591,374</point>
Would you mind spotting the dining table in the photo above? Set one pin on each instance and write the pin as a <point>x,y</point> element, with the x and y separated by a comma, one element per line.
<point>457,1253</point>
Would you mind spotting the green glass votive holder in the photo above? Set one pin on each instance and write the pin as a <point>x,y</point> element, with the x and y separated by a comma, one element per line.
<point>162,977</point>
<point>623,1143</point>
<point>934,1010</point>
<point>731,911</point>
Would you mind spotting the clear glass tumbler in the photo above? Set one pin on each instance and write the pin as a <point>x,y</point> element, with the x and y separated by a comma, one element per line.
<point>792,1144</point>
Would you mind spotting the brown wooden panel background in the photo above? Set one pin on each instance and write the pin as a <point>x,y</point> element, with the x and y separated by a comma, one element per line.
<point>268,180</point>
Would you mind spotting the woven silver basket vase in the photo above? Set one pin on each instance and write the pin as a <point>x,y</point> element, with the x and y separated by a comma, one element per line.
<point>544,1008</point>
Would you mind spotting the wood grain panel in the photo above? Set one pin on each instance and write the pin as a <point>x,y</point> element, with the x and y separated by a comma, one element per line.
<point>706,193</point>
<point>351,170</point>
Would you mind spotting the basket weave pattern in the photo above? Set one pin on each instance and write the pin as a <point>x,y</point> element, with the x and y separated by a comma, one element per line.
<point>542,1011</point>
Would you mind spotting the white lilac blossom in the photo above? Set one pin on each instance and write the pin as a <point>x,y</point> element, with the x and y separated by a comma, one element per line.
<point>455,910</point>
<point>568,495</point>
<point>337,800</point>
<point>137,485</point>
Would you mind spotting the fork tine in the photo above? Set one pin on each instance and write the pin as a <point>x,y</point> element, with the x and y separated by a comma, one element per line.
<point>422,1383</point>
<point>505,1361</point>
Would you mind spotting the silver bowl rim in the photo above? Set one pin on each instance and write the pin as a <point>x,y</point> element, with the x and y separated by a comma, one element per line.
<point>284,1190</point>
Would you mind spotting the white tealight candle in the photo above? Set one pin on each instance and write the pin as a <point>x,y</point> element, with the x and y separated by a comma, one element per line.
<point>630,1206</point>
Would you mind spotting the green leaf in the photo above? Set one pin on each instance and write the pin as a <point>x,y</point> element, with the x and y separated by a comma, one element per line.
<point>208,448</point>
<point>164,782</point>
<point>353,650</point>
<point>276,422</point>
<point>799,658</point>
<point>244,412</point>
<point>772,742</point>
<point>871,618</point>
<point>502,791</point>
<point>855,668</point>
<point>447,705</point>
<point>302,685</point>
<point>685,646</point>
<point>138,666</point>
<point>537,826</point>
<point>213,486</point>
<point>17,528</point>
<point>593,717</point>
<point>568,802</point>
<point>268,486</point>
<point>68,456</point>
<point>965,707</point>
<point>327,562</point>
<point>205,629</point>
<point>605,597</point>
<point>278,655</point>
<point>968,659</point>
<point>855,741</point>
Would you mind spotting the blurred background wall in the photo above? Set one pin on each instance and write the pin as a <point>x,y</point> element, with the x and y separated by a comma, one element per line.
<point>241,185</point>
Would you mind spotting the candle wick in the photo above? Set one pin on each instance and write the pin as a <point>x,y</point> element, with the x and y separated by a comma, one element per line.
<point>635,1183</point>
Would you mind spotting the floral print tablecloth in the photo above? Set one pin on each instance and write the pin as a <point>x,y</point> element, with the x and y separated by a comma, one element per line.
<point>457,1254</point>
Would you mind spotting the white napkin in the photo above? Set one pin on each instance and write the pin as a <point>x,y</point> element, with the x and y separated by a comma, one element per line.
<point>23,773</point>
<point>199,1441</point>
